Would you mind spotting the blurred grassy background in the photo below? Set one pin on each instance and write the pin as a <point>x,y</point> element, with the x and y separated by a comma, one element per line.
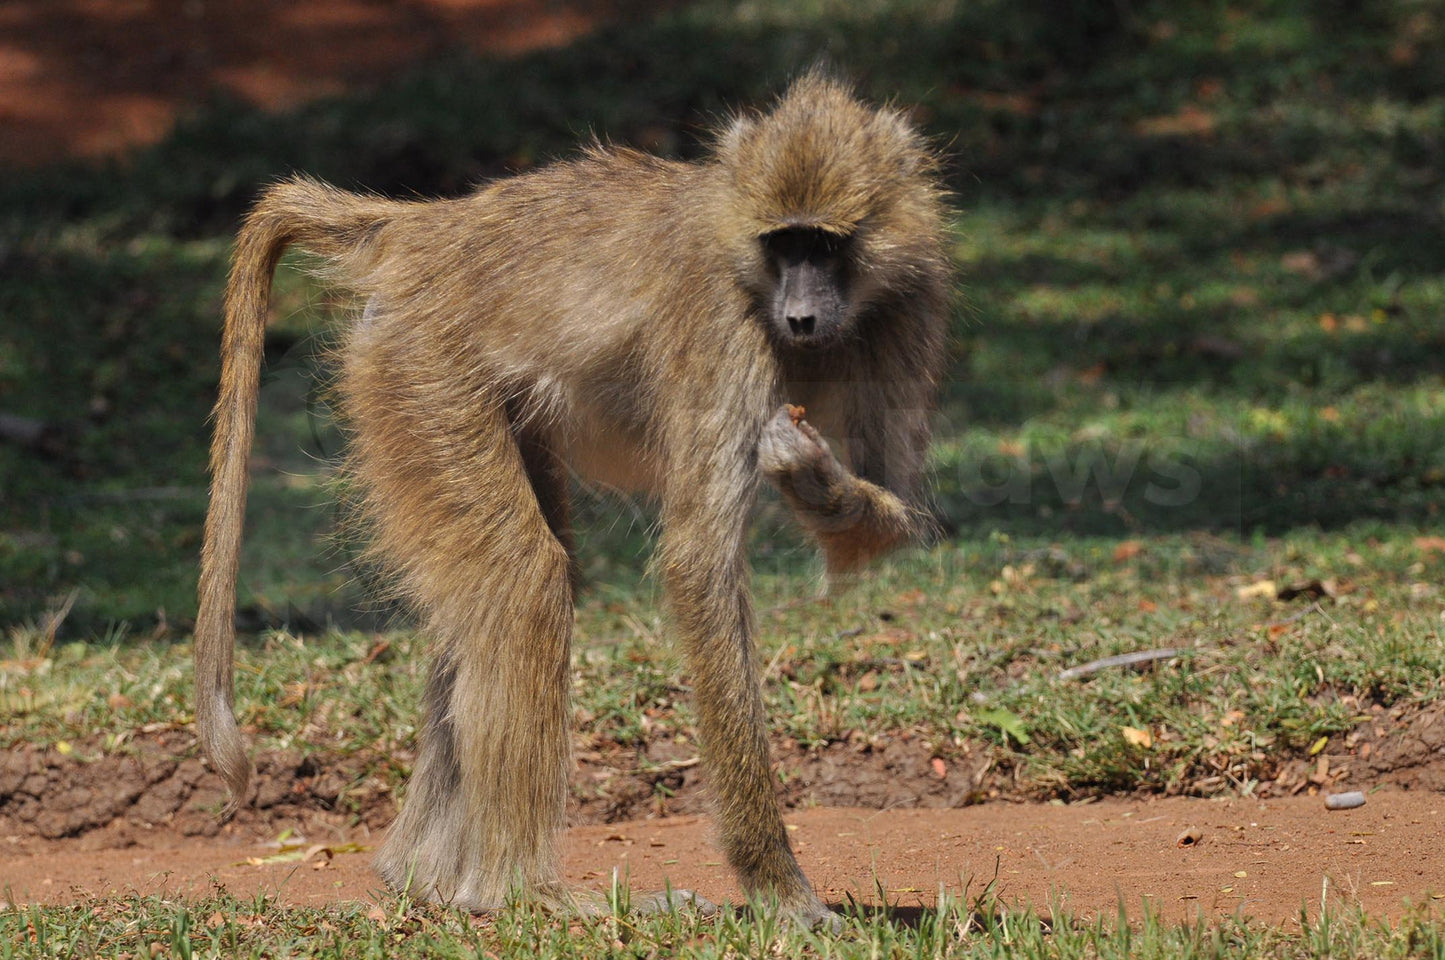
<point>1200,250</point>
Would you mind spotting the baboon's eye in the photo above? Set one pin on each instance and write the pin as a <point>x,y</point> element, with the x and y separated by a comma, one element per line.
<point>831,244</point>
<point>795,245</point>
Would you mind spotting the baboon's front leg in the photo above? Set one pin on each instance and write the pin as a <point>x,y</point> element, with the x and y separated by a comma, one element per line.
<point>853,519</point>
<point>706,577</point>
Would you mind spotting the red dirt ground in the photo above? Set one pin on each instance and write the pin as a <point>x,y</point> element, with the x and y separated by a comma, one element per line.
<point>1263,860</point>
<point>86,824</point>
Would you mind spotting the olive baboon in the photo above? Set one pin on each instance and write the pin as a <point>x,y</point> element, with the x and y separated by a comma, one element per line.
<point>639,321</point>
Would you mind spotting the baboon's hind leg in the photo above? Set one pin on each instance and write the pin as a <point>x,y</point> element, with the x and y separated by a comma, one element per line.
<point>456,516</point>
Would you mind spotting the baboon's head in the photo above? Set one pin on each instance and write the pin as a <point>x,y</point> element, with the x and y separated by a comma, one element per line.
<point>832,203</point>
<point>807,269</point>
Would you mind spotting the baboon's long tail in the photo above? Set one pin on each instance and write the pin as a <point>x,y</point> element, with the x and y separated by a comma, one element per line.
<point>327,221</point>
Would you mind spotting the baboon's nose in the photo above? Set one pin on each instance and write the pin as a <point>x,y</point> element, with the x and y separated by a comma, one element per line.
<point>801,326</point>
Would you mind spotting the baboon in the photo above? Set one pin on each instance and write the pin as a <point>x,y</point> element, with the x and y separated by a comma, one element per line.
<point>640,322</point>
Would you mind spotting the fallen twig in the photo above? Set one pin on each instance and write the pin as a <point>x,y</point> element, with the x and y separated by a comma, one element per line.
<point>1122,660</point>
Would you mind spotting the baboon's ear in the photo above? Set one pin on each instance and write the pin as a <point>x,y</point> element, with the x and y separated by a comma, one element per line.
<point>897,127</point>
<point>730,140</point>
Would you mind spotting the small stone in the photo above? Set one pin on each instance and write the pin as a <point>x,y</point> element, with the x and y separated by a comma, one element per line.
<point>1344,801</point>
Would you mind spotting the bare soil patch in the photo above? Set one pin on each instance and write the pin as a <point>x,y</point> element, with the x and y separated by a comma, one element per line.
<point>1262,859</point>
<point>84,824</point>
<point>1404,745</point>
<point>160,781</point>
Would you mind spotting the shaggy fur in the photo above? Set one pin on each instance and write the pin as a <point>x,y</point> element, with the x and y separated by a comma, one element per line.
<point>605,315</point>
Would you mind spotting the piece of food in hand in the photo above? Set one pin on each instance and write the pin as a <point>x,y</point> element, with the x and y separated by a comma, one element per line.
<point>796,412</point>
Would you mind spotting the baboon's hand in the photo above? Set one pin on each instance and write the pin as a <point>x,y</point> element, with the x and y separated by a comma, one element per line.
<point>795,457</point>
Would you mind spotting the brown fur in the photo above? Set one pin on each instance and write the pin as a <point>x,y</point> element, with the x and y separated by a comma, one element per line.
<point>601,314</point>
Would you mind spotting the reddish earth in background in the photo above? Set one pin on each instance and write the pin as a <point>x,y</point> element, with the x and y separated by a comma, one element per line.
<point>94,77</point>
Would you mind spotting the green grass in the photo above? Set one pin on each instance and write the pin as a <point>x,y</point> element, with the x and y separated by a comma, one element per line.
<point>226,927</point>
<point>958,646</point>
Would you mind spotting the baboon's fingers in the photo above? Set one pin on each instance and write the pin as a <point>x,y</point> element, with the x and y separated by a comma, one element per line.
<point>813,913</point>
<point>589,903</point>
<point>671,901</point>
<point>811,432</point>
<point>788,446</point>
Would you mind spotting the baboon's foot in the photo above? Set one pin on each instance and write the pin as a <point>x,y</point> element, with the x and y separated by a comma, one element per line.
<point>821,919</point>
<point>813,914</point>
<point>589,903</point>
<point>478,896</point>
<point>671,901</point>
<point>433,879</point>
<point>566,901</point>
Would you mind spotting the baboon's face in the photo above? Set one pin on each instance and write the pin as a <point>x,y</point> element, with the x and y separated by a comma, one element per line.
<point>808,267</point>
